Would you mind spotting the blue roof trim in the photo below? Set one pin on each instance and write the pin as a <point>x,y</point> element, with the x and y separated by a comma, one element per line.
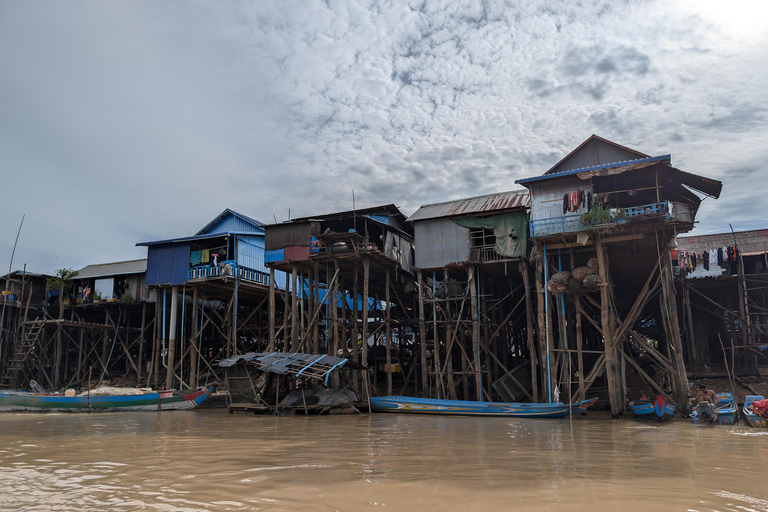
<point>595,168</point>
<point>196,237</point>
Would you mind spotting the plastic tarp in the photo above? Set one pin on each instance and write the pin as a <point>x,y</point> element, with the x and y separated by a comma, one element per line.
<point>510,230</point>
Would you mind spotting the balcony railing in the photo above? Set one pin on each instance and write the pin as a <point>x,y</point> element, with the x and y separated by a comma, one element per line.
<point>228,268</point>
<point>572,223</point>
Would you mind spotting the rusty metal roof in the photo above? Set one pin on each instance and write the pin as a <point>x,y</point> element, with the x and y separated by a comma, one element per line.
<point>481,204</point>
<point>749,242</point>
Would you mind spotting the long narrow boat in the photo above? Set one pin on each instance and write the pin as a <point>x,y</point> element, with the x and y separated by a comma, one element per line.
<point>754,420</point>
<point>657,410</point>
<point>462,407</point>
<point>724,412</point>
<point>12,401</point>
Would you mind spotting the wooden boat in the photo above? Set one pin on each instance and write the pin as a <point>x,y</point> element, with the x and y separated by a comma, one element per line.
<point>722,413</point>
<point>753,419</point>
<point>11,401</point>
<point>462,407</point>
<point>657,410</point>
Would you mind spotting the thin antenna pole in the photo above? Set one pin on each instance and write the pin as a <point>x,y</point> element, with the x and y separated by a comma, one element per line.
<point>354,211</point>
<point>7,284</point>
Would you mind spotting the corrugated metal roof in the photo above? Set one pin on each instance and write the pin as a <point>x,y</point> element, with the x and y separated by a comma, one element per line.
<point>196,237</point>
<point>755,241</point>
<point>628,163</point>
<point>480,204</point>
<point>113,269</point>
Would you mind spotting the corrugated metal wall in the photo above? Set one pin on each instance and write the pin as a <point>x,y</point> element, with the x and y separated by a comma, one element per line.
<point>167,264</point>
<point>230,224</point>
<point>290,234</point>
<point>440,242</point>
<point>547,197</point>
<point>250,252</point>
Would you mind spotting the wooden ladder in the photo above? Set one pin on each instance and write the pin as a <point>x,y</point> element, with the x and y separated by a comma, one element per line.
<point>18,361</point>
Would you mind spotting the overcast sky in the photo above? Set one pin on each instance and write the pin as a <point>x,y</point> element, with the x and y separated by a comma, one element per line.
<point>131,121</point>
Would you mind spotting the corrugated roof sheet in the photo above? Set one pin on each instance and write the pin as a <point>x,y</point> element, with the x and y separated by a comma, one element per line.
<point>255,223</point>
<point>755,241</point>
<point>480,204</point>
<point>113,269</point>
<point>628,163</point>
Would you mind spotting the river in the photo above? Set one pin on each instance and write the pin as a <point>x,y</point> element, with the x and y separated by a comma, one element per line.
<point>210,460</point>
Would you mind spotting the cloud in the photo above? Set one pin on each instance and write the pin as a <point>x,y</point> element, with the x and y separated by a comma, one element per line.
<point>127,122</point>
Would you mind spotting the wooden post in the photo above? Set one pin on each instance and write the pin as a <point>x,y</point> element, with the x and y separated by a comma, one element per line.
<point>158,337</point>
<point>668,288</point>
<point>422,337</point>
<point>366,278</point>
<point>333,302</point>
<point>295,309</point>
<point>612,367</point>
<point>540,317</point>
<point>579,345</point>
<point>141,343</point>
<point>272,299</point>
<point>355,330</point>
<point>169,379</point>
<point>388,334</point>
<point>475,333</point>
<point>286,313</point>
<point>194,338</point>
<point>316,300</point>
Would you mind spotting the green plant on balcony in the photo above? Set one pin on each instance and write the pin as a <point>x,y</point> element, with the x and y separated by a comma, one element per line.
<point>602,214</point>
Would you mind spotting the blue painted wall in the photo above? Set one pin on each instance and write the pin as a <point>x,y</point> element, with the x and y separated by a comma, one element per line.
<point>167,264</point>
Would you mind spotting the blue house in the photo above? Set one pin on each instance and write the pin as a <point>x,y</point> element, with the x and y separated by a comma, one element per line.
<point>231,245</point>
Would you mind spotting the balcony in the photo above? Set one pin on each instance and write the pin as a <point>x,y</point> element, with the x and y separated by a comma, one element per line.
<point>572,223</point>
<point>228,268</point>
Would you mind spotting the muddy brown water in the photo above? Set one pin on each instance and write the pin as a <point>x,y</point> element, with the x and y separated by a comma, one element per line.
<point>209,460</point>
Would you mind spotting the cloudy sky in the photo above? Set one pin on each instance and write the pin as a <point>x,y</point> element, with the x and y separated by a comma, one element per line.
<point>131,121</point>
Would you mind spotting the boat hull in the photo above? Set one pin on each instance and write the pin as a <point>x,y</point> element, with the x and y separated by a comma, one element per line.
<point>727,413</point>
<point>753,419</point>
<point>404,404</point>
<point>19,401</point>
<point>658,410</point>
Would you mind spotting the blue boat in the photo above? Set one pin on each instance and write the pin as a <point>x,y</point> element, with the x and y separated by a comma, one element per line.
<point>724,412</point>
<point>18,401</point>
<point>657,410</point>
<point>754,420</point>
<point>407,404</point>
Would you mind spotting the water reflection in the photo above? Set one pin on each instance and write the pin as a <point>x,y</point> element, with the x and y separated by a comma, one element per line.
<point>211,460</point>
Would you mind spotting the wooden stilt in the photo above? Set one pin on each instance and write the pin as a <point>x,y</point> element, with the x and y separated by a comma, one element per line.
<point>169,380</point>
<point>475,333</point>
<point>388,333</point>
<point>366,279</point>
<point>294,296</point>
<point>529,330</point>
<point>272,306</point>
<point>355,329</point>
<point>612,363</point>
<point>194,339</point>
<point>422,336</point>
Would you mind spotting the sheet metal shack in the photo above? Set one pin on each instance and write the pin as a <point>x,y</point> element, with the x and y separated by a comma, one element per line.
<point>475,309</point>
<point>347,270</point>
<point>613,212</point>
